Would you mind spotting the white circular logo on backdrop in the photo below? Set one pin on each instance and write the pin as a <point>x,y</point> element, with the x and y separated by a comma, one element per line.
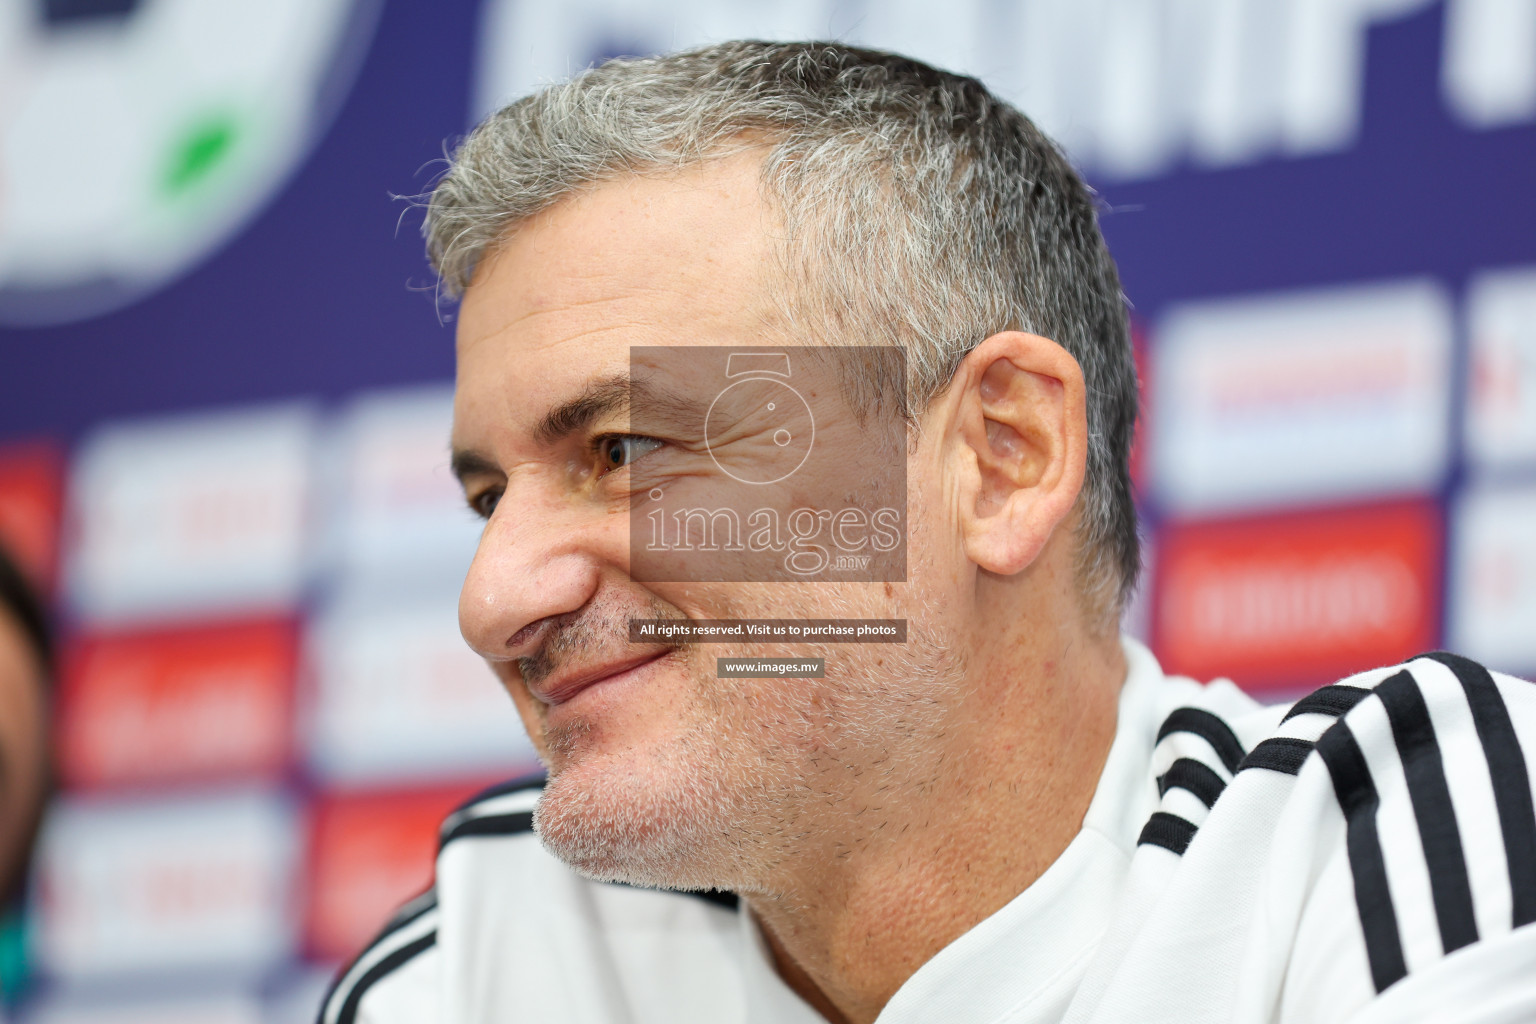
<point>136,136</point>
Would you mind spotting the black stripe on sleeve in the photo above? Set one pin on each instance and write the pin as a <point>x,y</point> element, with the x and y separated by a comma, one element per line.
<point>374,974</point>
<point>517,785</point>
<point>489,825</point>
<point>1333,700</point>
<point>1358,800</point>
<point>1278,754</point>
<point>411,911</point>
<point>406,914</point>
<point>1511,783</point>
<point>1195,776</point>
<point>1169,831</point>
<point>1424,768</point>
<point>1209,728</point>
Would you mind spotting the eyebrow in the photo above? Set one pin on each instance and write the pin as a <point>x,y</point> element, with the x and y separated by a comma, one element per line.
<point>664,408</point>
<point>466,463</point>
<point>599,398</point>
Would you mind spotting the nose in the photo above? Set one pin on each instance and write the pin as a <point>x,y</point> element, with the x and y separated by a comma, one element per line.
<point>528,568</point>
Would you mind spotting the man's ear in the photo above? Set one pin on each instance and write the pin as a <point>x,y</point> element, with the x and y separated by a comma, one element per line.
<point>1020,444</point>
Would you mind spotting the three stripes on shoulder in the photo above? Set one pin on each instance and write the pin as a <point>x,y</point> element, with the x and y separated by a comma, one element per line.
<point>507,810</point>
<point>1463,690</point>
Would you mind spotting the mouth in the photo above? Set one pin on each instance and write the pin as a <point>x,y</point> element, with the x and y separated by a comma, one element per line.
<point>565,686</point>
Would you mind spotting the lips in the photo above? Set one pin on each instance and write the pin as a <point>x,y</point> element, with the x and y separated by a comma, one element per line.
<point>562,686</point>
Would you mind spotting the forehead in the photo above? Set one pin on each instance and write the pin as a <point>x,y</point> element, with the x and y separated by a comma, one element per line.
<point>676,260</point>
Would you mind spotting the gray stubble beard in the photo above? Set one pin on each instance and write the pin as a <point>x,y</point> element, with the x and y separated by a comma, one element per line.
<point>764,778</point>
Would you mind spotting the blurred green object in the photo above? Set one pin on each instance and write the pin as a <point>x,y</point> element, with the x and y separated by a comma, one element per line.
<point>198,153</point>
<point>13,953</point>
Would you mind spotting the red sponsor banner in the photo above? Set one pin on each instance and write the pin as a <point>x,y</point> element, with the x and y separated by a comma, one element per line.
<point>31,499</point>
<point>1286,602</point>
<point>369,853</point>
<point>190,704</point>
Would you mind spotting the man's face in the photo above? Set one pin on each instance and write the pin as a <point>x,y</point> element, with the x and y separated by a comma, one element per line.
<point>660,772</point>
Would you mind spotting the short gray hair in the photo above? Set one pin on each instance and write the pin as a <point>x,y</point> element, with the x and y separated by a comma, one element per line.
<point>917,206</point>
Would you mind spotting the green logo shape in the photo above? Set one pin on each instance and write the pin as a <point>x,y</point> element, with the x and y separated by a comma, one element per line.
<point>196,155</point>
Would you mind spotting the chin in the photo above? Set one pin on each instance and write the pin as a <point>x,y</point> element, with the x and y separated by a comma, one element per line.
<point>655,821</point>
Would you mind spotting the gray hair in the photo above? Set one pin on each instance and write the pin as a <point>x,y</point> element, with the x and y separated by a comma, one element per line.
<point>916,206</point>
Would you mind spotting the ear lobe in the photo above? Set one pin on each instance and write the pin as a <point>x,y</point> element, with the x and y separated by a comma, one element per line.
<point>1023,441</point>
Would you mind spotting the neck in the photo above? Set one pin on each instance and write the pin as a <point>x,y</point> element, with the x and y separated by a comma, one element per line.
<point>854,919</point>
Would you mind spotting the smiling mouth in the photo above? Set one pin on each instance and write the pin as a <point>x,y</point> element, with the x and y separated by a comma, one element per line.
<point>567,688</point>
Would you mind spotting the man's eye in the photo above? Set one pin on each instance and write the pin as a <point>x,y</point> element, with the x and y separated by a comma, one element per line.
<point>485,502</point>
<point>615,451</point>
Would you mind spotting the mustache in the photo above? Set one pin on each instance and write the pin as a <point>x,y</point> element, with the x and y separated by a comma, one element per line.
<point>592,631</point>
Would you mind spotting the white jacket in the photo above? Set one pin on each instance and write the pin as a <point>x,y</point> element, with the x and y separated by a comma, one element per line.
<point>1367,855</point>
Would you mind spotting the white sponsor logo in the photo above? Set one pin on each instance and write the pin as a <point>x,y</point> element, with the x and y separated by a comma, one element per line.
<point>1501,386</point>
<point>400,517</point>
<point>1493,584</point>
<point>167,886</point>
<point>399,695</point>
<point>192,515</point>
<point>1129,87</point>
<point>1291,399</point>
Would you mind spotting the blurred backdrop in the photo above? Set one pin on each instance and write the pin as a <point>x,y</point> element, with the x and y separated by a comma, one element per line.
<point>224,402</point>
